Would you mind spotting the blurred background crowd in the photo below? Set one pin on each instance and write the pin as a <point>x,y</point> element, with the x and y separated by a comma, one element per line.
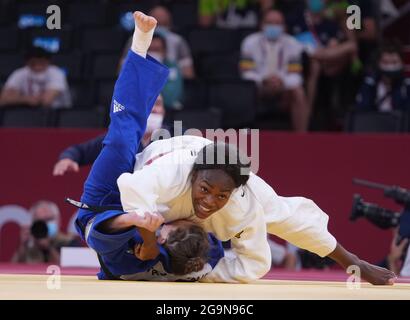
<point>268,64</point>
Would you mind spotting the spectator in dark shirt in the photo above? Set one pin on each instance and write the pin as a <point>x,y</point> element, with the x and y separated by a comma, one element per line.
<point>85,153</point>
<point>387,88</point>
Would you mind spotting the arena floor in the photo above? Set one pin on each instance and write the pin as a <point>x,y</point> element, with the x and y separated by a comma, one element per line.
<point>20,285</point>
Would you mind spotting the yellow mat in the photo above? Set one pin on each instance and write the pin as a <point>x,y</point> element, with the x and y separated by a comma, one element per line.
<point>86,287</point>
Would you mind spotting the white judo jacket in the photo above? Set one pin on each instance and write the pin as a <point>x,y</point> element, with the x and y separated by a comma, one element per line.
<point>161,183</point>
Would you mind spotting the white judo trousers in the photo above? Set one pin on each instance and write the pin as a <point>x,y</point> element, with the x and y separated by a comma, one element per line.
<point>161,183</point>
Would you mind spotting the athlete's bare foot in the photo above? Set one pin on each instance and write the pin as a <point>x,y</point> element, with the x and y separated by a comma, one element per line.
<point>145,23</point>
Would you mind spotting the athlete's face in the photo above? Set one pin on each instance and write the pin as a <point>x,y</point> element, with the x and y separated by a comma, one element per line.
<point>211,190</point>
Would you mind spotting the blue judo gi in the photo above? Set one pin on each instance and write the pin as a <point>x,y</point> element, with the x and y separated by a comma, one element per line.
<point>137,87</point>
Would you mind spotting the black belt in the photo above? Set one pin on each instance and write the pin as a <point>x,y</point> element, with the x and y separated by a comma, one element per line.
<point>96,209</point>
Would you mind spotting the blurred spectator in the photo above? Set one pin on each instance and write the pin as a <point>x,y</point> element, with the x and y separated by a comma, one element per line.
<point>282,256</point>
<point>174,88</point>
<point>85,153</point>
<point>394,261</point>
<point>38,84</point>
<point>272,59</point>
<point>41,242</point>
<point>332,50</point>
<point>387,88</point>
<point>232,14</point>
<point>366,36</point>
<point>177,48</point>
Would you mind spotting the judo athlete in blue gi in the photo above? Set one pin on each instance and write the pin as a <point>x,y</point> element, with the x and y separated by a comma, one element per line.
<point>184,250</point>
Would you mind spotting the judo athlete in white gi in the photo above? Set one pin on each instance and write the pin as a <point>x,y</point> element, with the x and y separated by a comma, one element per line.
<point>171,177</point>
<point>122,240</point>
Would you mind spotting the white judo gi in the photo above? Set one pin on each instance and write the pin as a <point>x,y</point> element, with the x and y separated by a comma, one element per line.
<point>161,183</point>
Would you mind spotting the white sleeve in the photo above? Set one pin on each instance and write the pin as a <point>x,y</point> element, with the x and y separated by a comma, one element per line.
<point>251,256</point>
<point>57,80</point>
<point>295,219</point>
<point>15,80</point>
<point>248,63</point>
<point>162,179</point>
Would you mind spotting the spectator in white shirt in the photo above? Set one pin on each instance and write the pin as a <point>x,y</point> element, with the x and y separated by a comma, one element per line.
<point>272,59</point>
<point>37,84</point>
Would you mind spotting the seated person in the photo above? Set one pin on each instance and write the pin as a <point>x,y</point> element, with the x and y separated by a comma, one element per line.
<point>85,153</point>
<point>37,84</point>
<point>272,59</point>
<point>177,49</point>
<point>387,88</point>
<point>174,88</point>
<point>232,14</point>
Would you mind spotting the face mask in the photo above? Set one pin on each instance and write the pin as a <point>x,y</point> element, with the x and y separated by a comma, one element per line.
<point>154,122</point>
<point>393,72</point>
<point>315,5</point>
<point>162,31</point>
<point>272,31</point>
<point>52,229</point>
<point>157,56</point>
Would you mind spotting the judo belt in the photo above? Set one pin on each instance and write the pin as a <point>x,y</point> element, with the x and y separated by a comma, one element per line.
<point>96,209</point>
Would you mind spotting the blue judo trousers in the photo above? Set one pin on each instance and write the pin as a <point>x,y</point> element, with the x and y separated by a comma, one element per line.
<point>137,87</point>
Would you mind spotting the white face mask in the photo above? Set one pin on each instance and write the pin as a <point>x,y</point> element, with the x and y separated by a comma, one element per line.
<point>157,56</point>
<point>154,122</point>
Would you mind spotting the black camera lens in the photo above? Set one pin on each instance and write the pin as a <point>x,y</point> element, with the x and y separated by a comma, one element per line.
<point>39,229</point>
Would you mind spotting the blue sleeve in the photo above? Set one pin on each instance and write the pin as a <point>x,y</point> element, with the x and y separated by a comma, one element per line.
<point>107,244</point>
<point>84,153</point>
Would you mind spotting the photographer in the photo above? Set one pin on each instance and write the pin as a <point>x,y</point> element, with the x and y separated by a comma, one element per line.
<point>41,242</point>
<point>397,260</point>
<point>394,261</point>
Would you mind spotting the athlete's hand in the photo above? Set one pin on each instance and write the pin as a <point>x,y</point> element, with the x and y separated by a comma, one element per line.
<point>144,251</point>
<point>65,165</point>
<point>150,221</point>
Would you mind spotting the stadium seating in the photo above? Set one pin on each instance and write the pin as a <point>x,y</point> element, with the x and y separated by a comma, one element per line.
<point>74,118</point>
<point>199,119</point>
<point>8,63</point>
<point>195,94</point>
<point>71,63</point>
<point>236,99</point>
<point>376,122</point>
<point>10,39</point>
<point>25,118</point>
<point>103,40</point>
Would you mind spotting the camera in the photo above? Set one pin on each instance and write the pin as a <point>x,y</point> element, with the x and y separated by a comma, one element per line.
<point>381,217</point>
<point>39,229</point>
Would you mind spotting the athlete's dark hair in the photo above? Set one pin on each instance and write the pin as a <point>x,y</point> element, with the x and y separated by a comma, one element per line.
<point>188,247</point>
<point>37,52</point>
<point>226,157</point>
<point>391,46</point>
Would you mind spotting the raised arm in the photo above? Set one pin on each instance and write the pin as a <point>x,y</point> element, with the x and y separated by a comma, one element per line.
<point>301,222</point>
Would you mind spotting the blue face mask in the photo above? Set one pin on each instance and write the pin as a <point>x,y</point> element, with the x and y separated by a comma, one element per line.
<point>272,31</point>
<point>52,229</point>
<point>162,31</point>
<point>316,5</point>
